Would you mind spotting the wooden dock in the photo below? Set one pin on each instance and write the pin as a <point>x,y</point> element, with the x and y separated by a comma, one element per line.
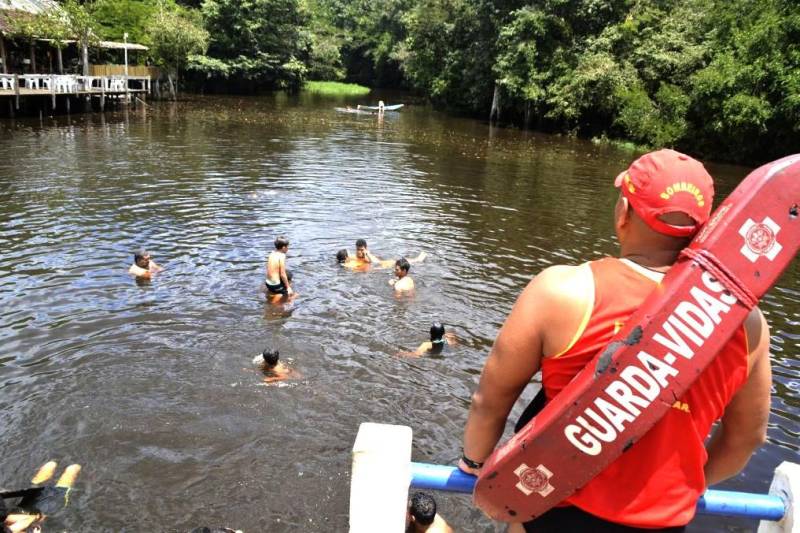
<point>17,86</point>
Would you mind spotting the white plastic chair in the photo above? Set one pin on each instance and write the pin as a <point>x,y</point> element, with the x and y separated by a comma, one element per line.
<point>32,82</point>
<point>8,83</point>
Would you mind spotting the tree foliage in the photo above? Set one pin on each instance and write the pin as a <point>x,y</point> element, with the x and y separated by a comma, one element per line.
<point>173,37</point>
<point>256,42</point>
<point>714,78</point>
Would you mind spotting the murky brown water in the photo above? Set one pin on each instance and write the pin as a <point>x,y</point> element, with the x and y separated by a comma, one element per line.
<point>150,387</point>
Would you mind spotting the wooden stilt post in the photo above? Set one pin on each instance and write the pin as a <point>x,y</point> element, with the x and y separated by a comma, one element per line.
<point>60,60</point>
<point>102,94</point>
<point>53,91</point>
<point>494,114</point>
<point>3,55</point>
<point>16,90</point>
<point>33,57</point>
<point>85,61</point>
<point>4,70</point>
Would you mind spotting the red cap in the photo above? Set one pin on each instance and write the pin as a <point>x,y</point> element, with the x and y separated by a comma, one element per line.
<point>667,181</point>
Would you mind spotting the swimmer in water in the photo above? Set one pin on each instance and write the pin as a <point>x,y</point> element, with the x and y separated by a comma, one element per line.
<point>404,282</point>
<point>278,282</point>
<point>143,265</point>
<point>273,369</point>
<point>422,516</point>
<point>439,339</point>
<point>364,259</point>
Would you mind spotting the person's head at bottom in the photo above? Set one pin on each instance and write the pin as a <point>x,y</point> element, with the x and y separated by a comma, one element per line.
<point>270,358</point>
<point>421,510</point>
<point>341,256</point>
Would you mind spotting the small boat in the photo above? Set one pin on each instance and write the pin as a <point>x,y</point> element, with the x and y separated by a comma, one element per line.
<point>385,108</point>
<point>353,110</point>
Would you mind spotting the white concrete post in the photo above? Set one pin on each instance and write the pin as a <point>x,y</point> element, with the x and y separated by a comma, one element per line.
<point>380,477</point>
<point>786,485</point>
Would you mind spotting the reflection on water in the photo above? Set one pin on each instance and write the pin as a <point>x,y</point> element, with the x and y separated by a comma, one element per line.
<point>147,385</point>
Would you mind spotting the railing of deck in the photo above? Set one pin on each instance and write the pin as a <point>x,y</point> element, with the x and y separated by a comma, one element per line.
<point>69,84</point>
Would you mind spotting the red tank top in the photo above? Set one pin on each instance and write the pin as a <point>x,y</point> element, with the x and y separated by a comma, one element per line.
<point>655,483</point>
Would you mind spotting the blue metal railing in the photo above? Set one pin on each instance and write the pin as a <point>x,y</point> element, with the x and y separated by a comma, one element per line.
<point>714,502</point>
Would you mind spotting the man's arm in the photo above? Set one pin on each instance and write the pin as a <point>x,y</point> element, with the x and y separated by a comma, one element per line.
<point>743,427</point>
<point>283,276</point>
<point>547,302</point>
<point>154,267</point>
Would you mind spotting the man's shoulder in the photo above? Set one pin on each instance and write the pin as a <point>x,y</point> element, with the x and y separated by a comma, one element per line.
<point>563,279</point>
<point>560,287</point>
<point>404,284</point>
<point>136,270</point>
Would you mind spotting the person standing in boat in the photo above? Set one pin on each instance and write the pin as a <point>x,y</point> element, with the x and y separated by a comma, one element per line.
<point>567,314</point>
<point>278,282</point>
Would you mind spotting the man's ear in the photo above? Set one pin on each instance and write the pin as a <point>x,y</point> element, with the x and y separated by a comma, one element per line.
<point>622,212</point>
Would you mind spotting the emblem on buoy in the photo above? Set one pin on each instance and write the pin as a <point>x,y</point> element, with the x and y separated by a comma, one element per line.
<point>760,239</point>
<point>534,480</point>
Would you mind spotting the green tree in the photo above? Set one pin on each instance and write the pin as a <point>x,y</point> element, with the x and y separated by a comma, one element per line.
<point>173,37</point>
<point>257,43</point>
<point>117,17</point>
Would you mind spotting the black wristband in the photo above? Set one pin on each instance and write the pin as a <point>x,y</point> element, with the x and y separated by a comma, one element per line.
<point>470,463</point>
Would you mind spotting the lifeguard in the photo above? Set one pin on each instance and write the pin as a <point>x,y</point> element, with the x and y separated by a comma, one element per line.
<point>568,314</point>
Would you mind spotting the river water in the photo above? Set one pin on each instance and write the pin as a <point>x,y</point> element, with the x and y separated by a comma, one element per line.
<point>150,386</point>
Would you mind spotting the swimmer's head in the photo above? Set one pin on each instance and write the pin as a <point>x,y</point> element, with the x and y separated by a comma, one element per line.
<point>361,248</point>
<point>270,358</point>
<point>281,243</point>
<point>341,256</point>
<point>141,257</point>
<point>401,267</point>
<point>422,508</point>
<point>437,332</point>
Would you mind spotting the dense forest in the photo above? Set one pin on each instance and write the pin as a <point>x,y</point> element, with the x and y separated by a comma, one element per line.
<point>717,78</point>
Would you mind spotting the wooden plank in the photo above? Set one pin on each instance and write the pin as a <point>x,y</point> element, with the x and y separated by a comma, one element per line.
<point>3,54</point>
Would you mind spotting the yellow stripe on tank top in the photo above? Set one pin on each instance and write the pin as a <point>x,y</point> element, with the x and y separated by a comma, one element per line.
<point>587,313</point>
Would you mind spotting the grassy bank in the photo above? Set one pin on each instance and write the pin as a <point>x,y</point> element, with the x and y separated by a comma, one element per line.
<point>335,88</point>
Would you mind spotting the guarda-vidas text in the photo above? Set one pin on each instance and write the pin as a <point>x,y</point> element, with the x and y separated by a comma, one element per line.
<point>682,333</point>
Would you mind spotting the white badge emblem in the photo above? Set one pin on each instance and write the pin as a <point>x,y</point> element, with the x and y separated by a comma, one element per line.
<point>534,480</point>
<point>760,239</point>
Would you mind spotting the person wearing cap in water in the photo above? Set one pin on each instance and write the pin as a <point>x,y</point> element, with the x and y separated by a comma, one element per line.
<point>143,265</point>
<point>422,516</point>
<point>273,369</point>
<point>567,314</point>
<point>439,339</point>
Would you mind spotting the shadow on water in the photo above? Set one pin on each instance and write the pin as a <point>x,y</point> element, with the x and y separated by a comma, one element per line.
<point>144,384</point>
